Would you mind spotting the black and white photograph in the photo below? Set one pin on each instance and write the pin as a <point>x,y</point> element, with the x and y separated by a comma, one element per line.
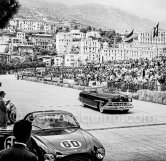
<point>83,80</point>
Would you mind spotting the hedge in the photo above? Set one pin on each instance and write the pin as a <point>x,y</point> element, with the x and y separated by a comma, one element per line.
<point>150,96</point>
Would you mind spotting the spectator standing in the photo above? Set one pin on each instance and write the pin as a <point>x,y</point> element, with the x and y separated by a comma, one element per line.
<point>3,111</point>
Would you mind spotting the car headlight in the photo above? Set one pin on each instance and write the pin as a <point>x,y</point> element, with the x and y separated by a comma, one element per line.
<point>49,157</point>
<point>130,99</point>
<point>100,153</point>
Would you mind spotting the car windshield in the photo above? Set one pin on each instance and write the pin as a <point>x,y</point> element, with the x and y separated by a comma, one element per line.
<point>93,90</point>
<point>101,90</point>
<point>52,120</point>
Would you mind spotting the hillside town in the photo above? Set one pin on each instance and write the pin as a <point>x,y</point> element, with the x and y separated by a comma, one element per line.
<point>69,50</point>
<point>70,44</point>
<point>83,80</point>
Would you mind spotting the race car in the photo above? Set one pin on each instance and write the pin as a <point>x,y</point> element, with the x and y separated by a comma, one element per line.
<point>57,136</point>
<point>103,99</point>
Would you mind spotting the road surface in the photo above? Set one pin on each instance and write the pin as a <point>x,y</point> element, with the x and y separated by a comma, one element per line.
<point>137,135</point>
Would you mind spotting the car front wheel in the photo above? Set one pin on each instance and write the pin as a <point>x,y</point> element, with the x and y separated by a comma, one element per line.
<point>12,117</point>
<point>100,107</point>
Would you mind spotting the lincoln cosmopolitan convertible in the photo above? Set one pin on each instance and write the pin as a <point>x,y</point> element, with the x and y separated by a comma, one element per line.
<point>102,99</point>
<point>57,136</point>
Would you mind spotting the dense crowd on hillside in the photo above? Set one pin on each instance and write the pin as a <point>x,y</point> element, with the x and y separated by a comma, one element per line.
<point>143,72</point>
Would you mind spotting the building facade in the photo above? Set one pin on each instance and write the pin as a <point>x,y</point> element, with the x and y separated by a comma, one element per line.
<point>5,57</point>
<point>64,42</point>
<point>146,38</point>
<point>58,60</point>
<point>42,41</point>
<point>89,45</point>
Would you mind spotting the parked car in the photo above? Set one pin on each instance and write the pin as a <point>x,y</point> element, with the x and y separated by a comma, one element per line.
<point>102,99</point>
<point>57,136</point>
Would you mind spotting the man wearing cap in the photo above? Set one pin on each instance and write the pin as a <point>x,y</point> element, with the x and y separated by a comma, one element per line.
<point>3,111</point>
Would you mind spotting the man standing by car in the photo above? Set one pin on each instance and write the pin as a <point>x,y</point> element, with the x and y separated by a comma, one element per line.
<point>3,111</point>
<point>19,151</point>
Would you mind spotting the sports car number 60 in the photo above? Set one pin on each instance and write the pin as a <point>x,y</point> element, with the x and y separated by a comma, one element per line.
<point>9,141</point>
<point>70,144</point>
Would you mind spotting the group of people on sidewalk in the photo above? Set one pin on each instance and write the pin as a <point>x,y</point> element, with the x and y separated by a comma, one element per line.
<point>22,132</point>
<point>3,111</point>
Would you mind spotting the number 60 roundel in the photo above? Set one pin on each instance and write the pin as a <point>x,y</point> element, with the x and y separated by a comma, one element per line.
<point>70,144</point>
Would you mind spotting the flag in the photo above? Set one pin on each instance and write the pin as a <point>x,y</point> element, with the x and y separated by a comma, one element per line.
<point>156,31</point>
<point>129,38</point>
<point>130,34</point>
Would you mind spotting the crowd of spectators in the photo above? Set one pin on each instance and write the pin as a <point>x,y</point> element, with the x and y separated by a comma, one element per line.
<point>130,72</point>
<point>142,73</point>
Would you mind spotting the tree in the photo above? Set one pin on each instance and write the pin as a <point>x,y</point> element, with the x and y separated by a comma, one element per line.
<point>35,58</point>
<point>83,30</point>
<point>118,39</point>
<point>54,53</point>
<point>8,8</point>
<point>75,27</point>
<point>45,52</point>
<point>102,33</point>
<point>89,28</point>
<point>6,49</point>
<point>67,29</point>
<point>28,59</point>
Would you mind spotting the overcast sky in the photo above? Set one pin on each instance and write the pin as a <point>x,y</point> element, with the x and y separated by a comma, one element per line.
<point>151,9</point>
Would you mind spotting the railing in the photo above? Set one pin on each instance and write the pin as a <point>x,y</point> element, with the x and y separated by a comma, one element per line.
<point>121,86</point>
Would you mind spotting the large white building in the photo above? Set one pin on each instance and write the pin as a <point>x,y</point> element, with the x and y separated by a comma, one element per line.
<point>93,34</point>
<point>71,60</point>
<point>29,25</point>
<point>4,43</point>
<point>58,60</point>
<point>77,34</point>
<point>42,41</point>
<point>64,42</point>
<point>146,38</point>
<point>18,39</point>
<point>89,45</point>
<point>5,57</point>
<point>147,46</point>
<point>127,51</point>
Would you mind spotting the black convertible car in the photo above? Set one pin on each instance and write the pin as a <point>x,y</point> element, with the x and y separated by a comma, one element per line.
<point>102,99</point>
<point>57,136</point>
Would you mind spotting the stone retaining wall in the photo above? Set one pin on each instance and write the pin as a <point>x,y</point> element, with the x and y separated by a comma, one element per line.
<point>143,95</point>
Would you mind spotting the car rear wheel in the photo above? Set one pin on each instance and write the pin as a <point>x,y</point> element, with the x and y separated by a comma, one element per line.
<point>100,107</point>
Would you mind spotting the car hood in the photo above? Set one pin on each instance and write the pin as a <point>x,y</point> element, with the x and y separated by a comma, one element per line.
<point>114,96</point>
<point>65,140</point>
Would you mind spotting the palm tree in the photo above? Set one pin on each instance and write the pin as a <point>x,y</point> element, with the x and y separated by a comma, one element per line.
<point>8,8</point>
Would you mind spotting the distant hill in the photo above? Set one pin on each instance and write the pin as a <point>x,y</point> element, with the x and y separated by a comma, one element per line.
<point>95,15</point>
